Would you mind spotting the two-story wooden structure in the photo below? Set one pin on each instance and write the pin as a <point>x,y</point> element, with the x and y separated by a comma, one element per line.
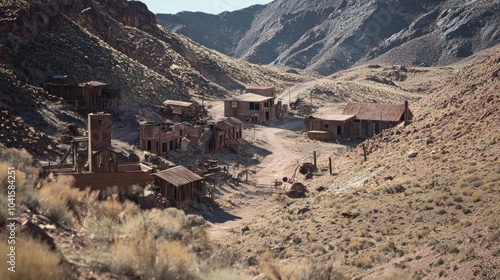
<point>160,138</point>
<point>92,96</point>
<point>251,107</point>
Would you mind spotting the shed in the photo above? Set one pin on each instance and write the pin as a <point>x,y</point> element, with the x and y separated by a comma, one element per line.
<point>372,118</point>
<point>104,161</point>
<point>328,126</point>
<point>228,132</point>
<point>179,185</point>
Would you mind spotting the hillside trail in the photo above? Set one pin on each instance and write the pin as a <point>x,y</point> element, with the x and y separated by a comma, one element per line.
<point>292,93</point>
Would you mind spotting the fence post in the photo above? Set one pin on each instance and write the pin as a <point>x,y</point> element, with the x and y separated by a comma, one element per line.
<point>330,164</point>
<point>314,154</point>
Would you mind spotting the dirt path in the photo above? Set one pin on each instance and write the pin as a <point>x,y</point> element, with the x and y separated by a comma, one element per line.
<point>291,94</point>
<point>280,147</point>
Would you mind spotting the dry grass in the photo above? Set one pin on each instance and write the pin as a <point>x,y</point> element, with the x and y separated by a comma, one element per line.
<point>58,200</point>
<point>34,260</point>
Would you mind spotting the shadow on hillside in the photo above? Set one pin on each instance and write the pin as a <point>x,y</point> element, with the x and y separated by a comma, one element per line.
<point>219,216</point>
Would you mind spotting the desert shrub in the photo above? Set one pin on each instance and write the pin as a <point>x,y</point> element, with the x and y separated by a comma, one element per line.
<point>303,270</point>
<point>25,177</point>
<point>144,256</point>
<point>34,260</point>
<point>151,246</point>
<point>58,199</point>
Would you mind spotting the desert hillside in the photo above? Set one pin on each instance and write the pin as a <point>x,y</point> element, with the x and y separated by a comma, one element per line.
<point>423,205</point>
<point>116,42</point>
<point>327,36</point>
<point>416,201</point>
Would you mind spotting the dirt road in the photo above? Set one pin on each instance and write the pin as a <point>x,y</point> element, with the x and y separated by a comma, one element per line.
<point>280,147</point>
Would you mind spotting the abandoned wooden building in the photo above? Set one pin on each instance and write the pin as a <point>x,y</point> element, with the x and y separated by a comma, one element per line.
<point>358,120</point>
<point>251,107</point>
<point>179,111</point>
<point>160,138</point>
<point>88,97</point>
<point>264,91</point>
<point>227,133</point>
<point>328,126</point>
<point>179,185</point>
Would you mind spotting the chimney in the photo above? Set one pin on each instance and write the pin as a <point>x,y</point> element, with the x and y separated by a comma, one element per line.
<point>99,133</point>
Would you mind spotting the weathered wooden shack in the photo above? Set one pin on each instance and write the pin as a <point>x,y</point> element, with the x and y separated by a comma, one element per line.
<point>104,161</point>
<point>251,107</point>
<point>372,118</point>
<point>358,120</point>
<point>328,126</point>
<point>179,185</point>
<point>178,111</point>
<point>264,91</point>
<point>227,132</point>
<point>85,97</point>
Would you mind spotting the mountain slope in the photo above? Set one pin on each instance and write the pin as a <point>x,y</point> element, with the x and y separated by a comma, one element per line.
<point>328,36</point>
<point>117,42</point>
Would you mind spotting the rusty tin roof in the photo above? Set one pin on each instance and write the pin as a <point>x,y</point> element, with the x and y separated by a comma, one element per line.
<point>178,176</point>
<point>375,111</point>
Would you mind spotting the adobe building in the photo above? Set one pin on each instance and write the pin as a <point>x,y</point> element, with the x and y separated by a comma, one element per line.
<point>358,120</point>
<point>92,96</point>
<point>102,168</point>
<point>160,138</point>
<point>251,107</point>
<point>179,185</point>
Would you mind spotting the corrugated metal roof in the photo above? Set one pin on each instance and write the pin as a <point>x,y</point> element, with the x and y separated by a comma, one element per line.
<point>375,111</point>
<point>178,176</point>
<point>251,97</point>
<point>177,103</point>
<point>331,116</point>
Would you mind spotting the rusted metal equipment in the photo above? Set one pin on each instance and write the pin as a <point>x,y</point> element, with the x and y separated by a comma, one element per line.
<point>294,189</point>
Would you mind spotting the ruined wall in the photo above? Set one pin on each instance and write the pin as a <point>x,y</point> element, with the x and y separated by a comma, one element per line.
<point>100,181</point>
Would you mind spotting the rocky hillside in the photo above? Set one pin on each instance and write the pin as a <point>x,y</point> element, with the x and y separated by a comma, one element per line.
<point>423,206</point>
<point>117,42</point>
<point>328,36</point>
